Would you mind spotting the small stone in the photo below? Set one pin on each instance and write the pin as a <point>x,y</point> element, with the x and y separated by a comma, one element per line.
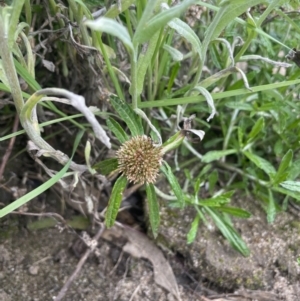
<point>33,270</point>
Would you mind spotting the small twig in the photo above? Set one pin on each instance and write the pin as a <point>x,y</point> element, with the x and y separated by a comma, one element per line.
<point>117,264</point>
<point>135,292</point>
<point>79,266</point>
<point>10,147</point>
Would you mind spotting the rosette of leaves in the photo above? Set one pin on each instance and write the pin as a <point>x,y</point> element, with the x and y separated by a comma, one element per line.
<point>139,160</point>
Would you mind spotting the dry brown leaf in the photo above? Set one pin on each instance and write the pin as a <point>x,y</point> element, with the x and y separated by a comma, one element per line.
<point>140,246</point>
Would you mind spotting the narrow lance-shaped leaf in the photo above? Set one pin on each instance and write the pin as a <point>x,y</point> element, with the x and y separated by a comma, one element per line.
<point>213,180</point>
<point>116,9</point>
<point>239,106</point>
<point>194,229</point>
<point>285,162</point>
<point>173,142</point>
<point>291,185</point>
<point>216,155</point>
<point>257,128</point>
<point>166,169</point>
<point>187,33</point>
<point>144,61</point>
<point>238,212</point>
<point>105,167</point>
<point>118,131</point>
<point>115,201</point>
<point>271,209</point>
<point>176,55</point>
<point>153,207</point>
<point>294,170</point>
<point>112,27</point>
<point>128,116</point>
<point>261,163</point>
<point>229,233</point>
<point>147,14</point>
<point>292,193</point>
<point>228,11</point>
<point>214,202</point>
<point>159,21</point>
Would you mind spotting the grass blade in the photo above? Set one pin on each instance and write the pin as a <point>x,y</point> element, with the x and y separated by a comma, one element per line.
<point>32,194</point>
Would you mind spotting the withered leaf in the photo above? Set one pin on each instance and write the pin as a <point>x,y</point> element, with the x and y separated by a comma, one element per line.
<point>140,246</point>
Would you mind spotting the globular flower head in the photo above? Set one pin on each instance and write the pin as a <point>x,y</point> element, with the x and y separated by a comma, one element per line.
<point>139,160</point>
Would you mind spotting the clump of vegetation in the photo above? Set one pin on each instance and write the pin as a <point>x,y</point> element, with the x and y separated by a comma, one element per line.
<point>150,61</point>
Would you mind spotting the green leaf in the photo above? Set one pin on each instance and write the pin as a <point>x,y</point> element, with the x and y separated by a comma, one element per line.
<point>285,162</point>
<point>150,27</point>
<point>257,128</point>
<point>187,33</point>
<point>278,147</point>
<point>226,14</point>
<point>271,209</point>
<point>193,231</point>
<point>166,169</point>
<point>229,232</point>
<point>173,142</point>
<point>239,105</point>
<point>114,11</point>
<point>228,194</point>
<point>112,27</point>
<point>144,61</point>
<point>128,116</point>
<point>147,14</point>
<point>197,185</point>
<point>214,202</point>
<point>238,212</point>
<point>261,163</point>
<point>105,167</point>
<point>212,180</point>
<point>216,155</point>
<point>240,136</point>
<point>294,171</point>
<point>115,201</point>
<point>176,55</point>
<point>118,131</point>
<point>291,185</point>
<point>153,207</point>
<point>294,194</point>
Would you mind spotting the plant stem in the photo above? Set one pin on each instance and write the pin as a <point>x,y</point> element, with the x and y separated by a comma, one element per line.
<point>243,174</point>
<point>8,63</point>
